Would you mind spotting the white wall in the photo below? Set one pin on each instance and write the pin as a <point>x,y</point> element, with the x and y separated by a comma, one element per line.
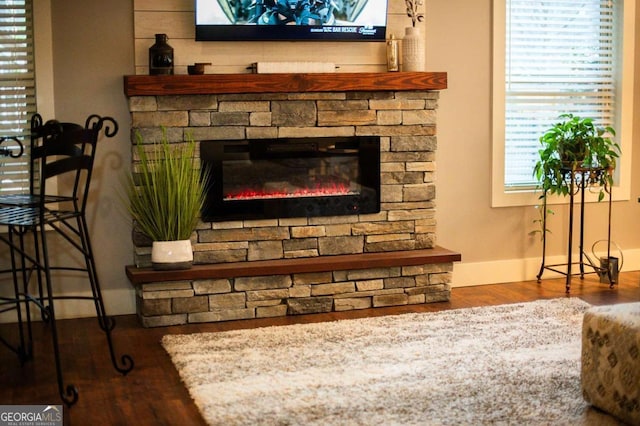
<point>92,50</point>
<point>494,242</point>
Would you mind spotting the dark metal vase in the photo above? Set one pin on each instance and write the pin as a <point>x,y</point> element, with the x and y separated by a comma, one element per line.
<point>161,57</point>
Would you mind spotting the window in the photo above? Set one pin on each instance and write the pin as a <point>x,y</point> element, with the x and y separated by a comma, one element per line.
<point>554,57</point>
<point>17,87</point>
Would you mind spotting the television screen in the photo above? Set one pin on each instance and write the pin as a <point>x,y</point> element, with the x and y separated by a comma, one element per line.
<point>347,20</point>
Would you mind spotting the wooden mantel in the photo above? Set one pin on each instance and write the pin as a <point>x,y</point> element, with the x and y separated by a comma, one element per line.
<point>210,84</point>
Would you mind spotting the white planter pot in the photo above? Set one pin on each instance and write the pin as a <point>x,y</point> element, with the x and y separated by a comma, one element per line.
<point>169,255</point>
<point>413,50</point>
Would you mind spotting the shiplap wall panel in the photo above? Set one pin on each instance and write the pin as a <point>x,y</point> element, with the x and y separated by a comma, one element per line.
<point>177,25</point>
<point>176,19</point>
<point>398,7</point>
<point>178,5</point>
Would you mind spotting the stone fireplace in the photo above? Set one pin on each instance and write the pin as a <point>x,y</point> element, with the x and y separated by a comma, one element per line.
<point>272,265</point>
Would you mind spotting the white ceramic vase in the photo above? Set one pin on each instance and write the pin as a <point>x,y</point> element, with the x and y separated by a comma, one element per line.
<point>413,50</point>
<point>170,255</point>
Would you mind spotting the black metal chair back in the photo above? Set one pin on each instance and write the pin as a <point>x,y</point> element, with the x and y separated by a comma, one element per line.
<point>58,148</point>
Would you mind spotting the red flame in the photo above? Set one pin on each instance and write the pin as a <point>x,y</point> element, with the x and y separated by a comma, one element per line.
<point>318,191</point>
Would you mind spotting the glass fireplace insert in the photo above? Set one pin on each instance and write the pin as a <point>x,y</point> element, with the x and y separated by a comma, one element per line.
<point>291,177</point>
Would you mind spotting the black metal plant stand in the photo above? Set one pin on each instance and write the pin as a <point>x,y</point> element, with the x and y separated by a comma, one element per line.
<point>579,180</point>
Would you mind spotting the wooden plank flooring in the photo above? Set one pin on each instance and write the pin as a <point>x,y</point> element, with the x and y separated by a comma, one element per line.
<point>152,393</point>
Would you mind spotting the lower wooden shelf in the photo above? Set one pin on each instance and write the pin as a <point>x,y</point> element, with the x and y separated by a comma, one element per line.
<point>299,265</point>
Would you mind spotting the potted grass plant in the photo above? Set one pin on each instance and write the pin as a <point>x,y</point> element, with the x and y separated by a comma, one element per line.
<point>166,191</point>
<point>574,144</point>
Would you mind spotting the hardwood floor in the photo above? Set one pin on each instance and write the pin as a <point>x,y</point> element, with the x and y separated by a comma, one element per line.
<point>152,393</point>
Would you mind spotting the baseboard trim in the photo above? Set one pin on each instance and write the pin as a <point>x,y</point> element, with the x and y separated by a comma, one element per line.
<point>503,271</point>
<point>121,301</point>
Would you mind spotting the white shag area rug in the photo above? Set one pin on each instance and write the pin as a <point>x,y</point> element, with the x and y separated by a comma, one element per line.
<point>508,364</point>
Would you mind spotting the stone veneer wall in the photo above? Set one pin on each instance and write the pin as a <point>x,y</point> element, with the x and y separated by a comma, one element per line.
<point>406,123</point>
<point>193,301</point>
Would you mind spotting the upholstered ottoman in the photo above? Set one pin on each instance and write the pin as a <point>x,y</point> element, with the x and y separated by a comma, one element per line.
<point>611,360</point>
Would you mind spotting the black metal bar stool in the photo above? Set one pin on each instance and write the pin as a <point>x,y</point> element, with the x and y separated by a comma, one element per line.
<point>13,148</point>
<point>58,150</point>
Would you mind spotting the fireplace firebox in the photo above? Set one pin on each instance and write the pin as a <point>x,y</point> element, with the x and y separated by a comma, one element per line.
<point>291,177</point>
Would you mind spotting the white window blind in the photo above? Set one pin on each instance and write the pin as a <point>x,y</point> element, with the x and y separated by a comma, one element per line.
<point>560,57</point>
<point>17,89</point>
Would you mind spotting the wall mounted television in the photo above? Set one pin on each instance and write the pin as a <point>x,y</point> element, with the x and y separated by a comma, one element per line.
<point>263,20</point>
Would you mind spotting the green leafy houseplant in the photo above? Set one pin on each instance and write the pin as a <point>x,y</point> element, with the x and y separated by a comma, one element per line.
<point>572,144</point>
<point>166,190</point>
